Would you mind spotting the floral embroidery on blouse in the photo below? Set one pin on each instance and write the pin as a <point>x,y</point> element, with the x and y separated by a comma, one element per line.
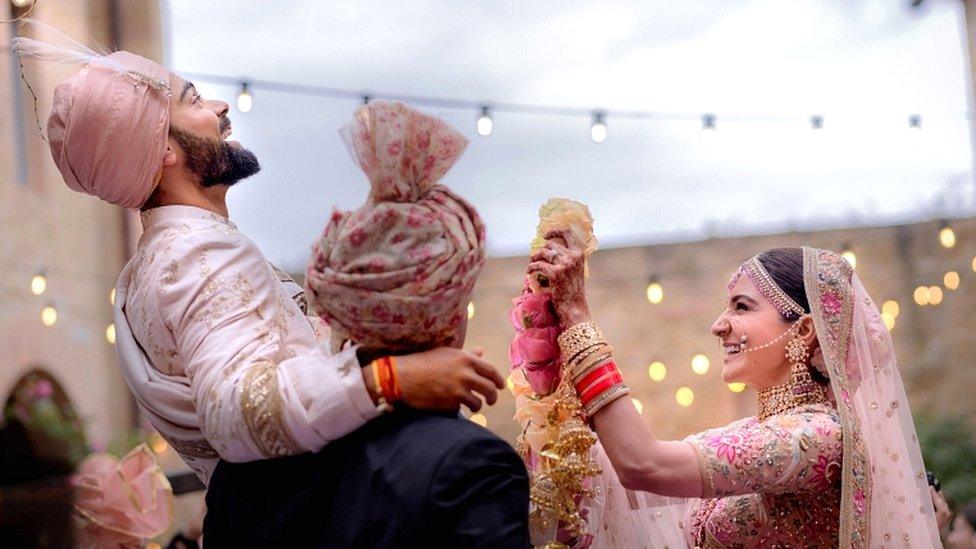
<point>770,482</point>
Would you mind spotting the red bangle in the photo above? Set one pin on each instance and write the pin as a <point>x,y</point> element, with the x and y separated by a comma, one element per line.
<point>600,386</point>
<point>592,375</point>
<point>389,381</point>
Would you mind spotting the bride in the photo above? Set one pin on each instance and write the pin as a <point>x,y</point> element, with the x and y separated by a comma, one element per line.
<point>831,459</point>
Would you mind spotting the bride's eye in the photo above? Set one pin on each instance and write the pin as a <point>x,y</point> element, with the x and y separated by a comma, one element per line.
<point>740,306</point>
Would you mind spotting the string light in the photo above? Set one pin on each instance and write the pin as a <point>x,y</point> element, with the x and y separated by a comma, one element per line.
<point>947,236</point>
<point>639,405</point>
<point>598,130</point>
<point>479,419</point>
<point>684,396</point>
<point>657,371</point>
<point>737,387</point>
<point>484,124</point>
<point>38,283</point>
<point>849,255</point>
<point>935,295</point>
<point>974,264</point>
<point>921,296</point>
<point>708,130</point>
<point>244,99</point>
<point>655,292</point>
<point>889,320</point>
<point>510,383</point>
<point>891,307</point>
<point>111,297</point>
<point>915,122</point>
<point>110,334</point>
<point>700,364</point>
<point>49,315</point>
<point>470,310</point>
<point>951,280</point>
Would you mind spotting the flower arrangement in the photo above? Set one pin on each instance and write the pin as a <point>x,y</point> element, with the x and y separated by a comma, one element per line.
<point>555,442</point>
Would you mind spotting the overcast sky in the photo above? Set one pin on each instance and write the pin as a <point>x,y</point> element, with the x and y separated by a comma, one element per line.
<point>864,65</point>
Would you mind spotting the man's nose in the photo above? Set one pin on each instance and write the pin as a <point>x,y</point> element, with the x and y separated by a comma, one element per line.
<point>221,108</point>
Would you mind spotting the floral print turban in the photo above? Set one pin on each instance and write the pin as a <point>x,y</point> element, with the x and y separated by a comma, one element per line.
<point>397,273</point>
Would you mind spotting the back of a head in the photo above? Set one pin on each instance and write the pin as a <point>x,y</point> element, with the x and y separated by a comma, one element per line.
<point>397,273</point>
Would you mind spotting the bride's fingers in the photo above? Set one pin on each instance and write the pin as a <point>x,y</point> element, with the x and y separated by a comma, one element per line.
<point>542,267</point>
<point>563,237</point>
<point>544,254</point>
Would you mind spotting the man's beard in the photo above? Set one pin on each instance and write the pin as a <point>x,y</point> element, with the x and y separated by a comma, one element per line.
<point>215,161</point>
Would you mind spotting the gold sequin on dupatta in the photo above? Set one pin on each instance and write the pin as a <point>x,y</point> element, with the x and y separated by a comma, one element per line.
<point>261,407</point>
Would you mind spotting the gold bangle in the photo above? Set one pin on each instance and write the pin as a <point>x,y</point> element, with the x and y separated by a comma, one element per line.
<point>608,396</point>
<point>594,361</point>
<point>578,338</point>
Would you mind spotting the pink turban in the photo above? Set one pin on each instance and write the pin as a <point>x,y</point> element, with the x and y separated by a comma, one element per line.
<point>398,273</point>
<point>108,128</point>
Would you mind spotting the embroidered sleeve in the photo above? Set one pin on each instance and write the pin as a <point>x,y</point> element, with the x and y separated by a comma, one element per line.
<point>799,452</point>
<point>262,385</point>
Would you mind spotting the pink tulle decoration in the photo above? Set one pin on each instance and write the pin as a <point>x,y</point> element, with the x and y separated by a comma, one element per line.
<point>122,503</point>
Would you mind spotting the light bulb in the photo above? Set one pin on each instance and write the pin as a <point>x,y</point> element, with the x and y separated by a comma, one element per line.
<point>709,131</point>
<point>470,310</point>
<point>737,387</point>
<point>947,237</point>
<point>921,296</point>
<point>700,364</point>
<point>110,334</point>
<point>684,396</point>
<point>49,315</point>
<point>889,320</point>
<point>850,256</point>
<point>111,297</point>
<point>598,130</point>
<point>657,371</point>
<point>935,295</point>
<point>480,419</point>
<point>951,280</point>
<point>244,99</point>
<point>38,283</point>
<point>891,307</point>
<point>655,292</point>
<point>484,124</point>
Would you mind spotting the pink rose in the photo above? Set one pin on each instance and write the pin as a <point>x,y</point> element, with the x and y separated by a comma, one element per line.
<point>122,503</point>
<point>533,311</point>
<point>537,352</point>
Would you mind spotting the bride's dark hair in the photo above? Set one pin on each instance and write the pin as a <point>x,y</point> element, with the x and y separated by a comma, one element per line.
<point>785,266</point>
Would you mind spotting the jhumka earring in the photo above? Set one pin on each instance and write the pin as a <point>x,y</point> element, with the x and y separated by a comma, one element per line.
<point>802,387</point>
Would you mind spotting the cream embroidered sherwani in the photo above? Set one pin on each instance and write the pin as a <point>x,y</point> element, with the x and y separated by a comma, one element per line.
<point>218,352</point>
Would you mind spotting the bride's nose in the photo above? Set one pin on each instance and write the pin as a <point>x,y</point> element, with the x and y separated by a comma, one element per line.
<point>721,326</point>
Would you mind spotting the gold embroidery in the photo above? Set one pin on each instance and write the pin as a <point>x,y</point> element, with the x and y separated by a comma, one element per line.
<point>261,407</point>
<point>193,448</point>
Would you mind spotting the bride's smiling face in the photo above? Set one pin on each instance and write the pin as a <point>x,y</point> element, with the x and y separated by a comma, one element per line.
<point>748,313</point>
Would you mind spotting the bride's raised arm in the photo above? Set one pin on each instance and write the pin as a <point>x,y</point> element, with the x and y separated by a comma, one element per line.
<point>641,460</point>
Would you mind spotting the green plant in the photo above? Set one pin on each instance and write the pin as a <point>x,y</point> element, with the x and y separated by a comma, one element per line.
<point>949,449</point>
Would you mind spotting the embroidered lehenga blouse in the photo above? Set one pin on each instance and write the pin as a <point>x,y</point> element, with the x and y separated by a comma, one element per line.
<point>770,481</point>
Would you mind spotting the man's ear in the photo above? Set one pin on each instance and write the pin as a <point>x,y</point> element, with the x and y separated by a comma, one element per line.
<point>170,157</point>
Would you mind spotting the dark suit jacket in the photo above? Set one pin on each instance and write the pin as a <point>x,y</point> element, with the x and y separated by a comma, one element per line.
<point>407,479</point>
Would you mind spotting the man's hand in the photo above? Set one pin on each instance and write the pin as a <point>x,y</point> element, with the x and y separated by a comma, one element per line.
<point>444,378</point>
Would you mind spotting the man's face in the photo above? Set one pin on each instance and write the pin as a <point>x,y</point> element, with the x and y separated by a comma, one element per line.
<point>199,128</point>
